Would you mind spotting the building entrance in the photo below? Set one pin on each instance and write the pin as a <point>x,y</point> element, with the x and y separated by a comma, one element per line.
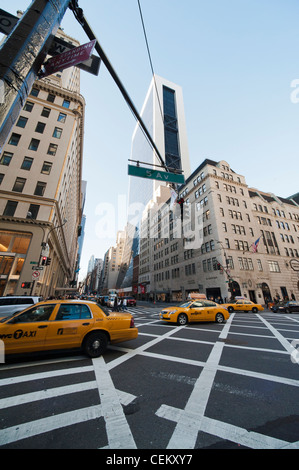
<point>213,293</point>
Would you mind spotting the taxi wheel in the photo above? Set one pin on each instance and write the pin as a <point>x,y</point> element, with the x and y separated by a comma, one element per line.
<point>254,310</point>
<point>182,319</point>
<point>219,318</point>
<point>230,309</point>
<point>95,344</point>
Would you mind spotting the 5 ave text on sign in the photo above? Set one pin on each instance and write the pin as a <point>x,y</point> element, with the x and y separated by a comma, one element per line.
<point>168,177</point>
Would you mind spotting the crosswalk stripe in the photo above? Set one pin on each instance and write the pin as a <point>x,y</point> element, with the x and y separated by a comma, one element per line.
<point>40,426</point>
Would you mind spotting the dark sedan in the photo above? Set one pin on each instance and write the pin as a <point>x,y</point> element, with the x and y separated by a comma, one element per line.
<point>286,307</point>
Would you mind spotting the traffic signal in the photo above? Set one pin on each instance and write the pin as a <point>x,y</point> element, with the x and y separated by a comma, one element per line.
<point>48,262</point>
<point>26,285</point>
<point>44,261</point>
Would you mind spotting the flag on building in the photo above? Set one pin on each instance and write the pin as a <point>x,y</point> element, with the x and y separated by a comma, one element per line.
<point>255,245</point>
<point>173,199</point>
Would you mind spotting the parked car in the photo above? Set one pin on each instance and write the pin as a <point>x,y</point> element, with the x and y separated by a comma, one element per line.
<point>243,305</point>
<point>131,302</point>
<point>16,303</point>
<point>65,324</point>
<point>193,311</point>
<point>286,307</point>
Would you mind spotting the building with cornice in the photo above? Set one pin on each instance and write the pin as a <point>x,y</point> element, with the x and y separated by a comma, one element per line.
<point>235,241</point>
<point>40,187</point>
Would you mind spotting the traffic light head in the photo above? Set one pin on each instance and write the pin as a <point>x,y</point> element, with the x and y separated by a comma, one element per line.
<point>26,285</point>
<point>48,262</point>
<point>44,261</point>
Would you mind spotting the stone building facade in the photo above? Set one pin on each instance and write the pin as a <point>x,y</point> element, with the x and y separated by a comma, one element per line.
<point>234,240</point>
<point>40,187</point>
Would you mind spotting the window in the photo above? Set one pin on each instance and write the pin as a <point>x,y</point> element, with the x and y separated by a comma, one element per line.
<point>61,117</point>
<point>57,132</point>
<point>6,158</point>
<point>33,211</point>
<point>51,98</point>
<point>27,162</point>
<point>1,177</point>
<point>14,139</point>
<point>34,144</point>
<point>10,208</point>
<point>19,185</point>
<point>73,312</point>
<point>52,149</point>
<point>6,264</point>
<point>46,168</point>
<point>34,92</point>
<point>35,314</point>
<point>46,112</point>
<point>273,267</point>
<point>20,243</point>
<point>40,127</point>
<point>28,106</point>
<point>66,103</point>
<point>40,188</point>
<point>22,121</point>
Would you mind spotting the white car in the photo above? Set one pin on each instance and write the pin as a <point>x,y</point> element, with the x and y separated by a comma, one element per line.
<point>16,303</point>
<point>111,299</point>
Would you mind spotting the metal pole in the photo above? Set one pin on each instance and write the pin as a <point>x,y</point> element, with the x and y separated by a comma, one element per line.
<point>22,55</point>
<point>79,15</point>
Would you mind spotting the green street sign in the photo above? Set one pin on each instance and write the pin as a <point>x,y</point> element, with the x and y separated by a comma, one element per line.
<point>168,177</point>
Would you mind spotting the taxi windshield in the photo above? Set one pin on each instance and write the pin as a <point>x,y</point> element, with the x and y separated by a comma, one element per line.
<point>186,304</point>
<point>8,317</point>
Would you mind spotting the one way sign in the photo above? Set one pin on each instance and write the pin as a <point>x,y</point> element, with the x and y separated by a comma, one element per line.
<point>7,22</point>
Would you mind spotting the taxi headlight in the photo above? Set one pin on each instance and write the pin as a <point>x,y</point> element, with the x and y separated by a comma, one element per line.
<point>172,311</point>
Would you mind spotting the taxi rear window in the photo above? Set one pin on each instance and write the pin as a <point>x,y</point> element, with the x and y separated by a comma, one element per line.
<point>73,312</point>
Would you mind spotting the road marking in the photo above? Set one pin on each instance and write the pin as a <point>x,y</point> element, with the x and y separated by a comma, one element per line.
<point>45,375</point>
<point>117,428</point>
<point>226,431</point>
<point>110,408</point>
<point>285,343</point>
<point>186,430</point>
<point>40,426</point>
<point>46,394</point>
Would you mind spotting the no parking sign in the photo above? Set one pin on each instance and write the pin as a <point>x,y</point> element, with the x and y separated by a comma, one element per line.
<point>36,275</point>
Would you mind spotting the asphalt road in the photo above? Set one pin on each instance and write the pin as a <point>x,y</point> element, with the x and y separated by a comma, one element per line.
<point>202,386</point>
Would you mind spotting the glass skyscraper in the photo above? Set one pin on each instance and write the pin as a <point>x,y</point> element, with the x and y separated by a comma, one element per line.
<point>164,117</point>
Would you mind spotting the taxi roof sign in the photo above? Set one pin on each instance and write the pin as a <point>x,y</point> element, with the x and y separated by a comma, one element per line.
<point>195,295</point>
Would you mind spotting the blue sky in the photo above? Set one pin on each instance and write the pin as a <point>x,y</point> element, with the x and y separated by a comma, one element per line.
<point>236,61</point>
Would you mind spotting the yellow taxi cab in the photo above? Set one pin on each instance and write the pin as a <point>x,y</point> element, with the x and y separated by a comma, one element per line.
<point>194,311</point>
<point>243,305</point>
<point>65,324</point>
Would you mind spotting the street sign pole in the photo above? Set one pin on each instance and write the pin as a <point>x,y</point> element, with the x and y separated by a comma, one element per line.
<point>22,55</point>
<point>79,15</point>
